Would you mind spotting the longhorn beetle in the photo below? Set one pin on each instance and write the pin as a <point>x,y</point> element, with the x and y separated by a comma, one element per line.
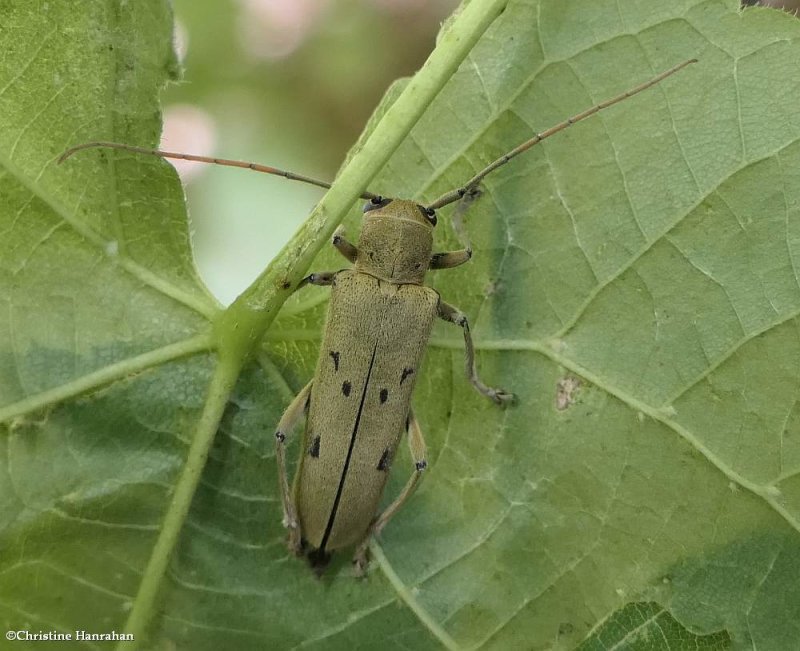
<point>379,320</point>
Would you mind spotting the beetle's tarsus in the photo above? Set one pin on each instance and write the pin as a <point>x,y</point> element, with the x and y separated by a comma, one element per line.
<point>502,397</point>
<point>293,539</point>
<point>361,561</point>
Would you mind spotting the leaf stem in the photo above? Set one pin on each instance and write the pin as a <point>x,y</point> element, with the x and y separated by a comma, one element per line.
<point>221,385</point>
<point>106,376</point>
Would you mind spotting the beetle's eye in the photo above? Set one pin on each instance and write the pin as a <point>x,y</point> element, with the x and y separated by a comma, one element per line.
<point>430,214</point>
<point>376,202</point>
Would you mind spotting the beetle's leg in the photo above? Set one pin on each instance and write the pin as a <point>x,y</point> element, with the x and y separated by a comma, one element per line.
<point>319,278</point>
<point>344,247</point>
<point>294,412</point>
<point>454,315</point>
<point>416,443</point>
<point>449,259</point>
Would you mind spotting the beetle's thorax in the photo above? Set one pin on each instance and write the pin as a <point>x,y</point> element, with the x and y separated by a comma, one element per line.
<point>395,243</point>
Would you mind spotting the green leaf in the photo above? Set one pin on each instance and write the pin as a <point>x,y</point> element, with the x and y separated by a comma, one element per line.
<point>634,283</point>
<point>646,627</point>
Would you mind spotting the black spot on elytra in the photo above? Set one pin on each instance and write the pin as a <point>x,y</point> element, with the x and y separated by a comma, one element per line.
<point>313,450</point>
<point>406,373</point>
<point>384,395</point>
<point>335,355</point>
<point>386,460</point>
<point>346,388</point>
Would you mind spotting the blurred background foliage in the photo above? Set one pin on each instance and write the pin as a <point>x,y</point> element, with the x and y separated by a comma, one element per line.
<point>289,83</point>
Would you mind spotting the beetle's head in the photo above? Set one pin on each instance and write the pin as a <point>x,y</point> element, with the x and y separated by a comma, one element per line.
<point>396,240</point>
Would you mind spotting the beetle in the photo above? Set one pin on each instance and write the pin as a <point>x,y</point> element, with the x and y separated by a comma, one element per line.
<point>380,315</point>
<point>379,320</point>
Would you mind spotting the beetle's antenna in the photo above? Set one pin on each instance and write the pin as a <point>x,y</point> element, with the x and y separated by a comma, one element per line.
<point>455,195</point>
<point>204,159</point>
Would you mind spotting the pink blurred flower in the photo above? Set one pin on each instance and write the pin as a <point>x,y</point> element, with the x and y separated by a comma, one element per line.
<point>273,29</point>
<point>188,129</point>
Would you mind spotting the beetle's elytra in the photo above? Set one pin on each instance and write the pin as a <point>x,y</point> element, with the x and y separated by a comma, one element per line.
<point>358,404</point>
